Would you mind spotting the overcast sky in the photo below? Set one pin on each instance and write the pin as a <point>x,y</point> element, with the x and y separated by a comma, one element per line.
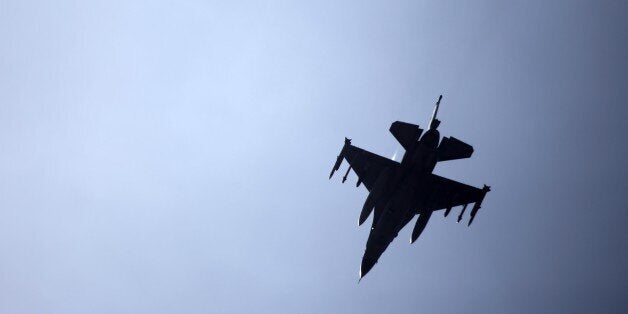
<point>172,156</point>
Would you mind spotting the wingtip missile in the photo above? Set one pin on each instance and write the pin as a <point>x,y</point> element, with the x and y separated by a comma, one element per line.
<point>339,159</point>
<point>336,165</point>
<point>478,204</point>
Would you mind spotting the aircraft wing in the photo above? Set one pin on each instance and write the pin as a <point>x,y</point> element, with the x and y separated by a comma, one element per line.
<point>367,165</point>
<point>445,193</point>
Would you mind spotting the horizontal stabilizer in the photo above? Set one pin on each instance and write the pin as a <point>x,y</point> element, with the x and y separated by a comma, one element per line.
<point>451,148</point>
<point>406,133</point>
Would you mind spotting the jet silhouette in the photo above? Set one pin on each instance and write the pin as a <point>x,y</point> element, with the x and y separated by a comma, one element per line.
<point>399,191</point>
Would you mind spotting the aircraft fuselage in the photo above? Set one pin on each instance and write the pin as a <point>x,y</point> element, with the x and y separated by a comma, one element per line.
<point>403,197</point>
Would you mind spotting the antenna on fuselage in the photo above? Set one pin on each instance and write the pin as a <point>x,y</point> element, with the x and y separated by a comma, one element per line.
<point>435,122</point>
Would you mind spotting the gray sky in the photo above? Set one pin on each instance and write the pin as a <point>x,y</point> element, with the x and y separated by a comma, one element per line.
<point>172,156</point>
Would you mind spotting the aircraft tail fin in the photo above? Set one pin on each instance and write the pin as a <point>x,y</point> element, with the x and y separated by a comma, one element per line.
<point>435,122</point>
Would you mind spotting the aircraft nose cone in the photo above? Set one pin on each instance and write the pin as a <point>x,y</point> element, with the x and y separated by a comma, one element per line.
<point>366,266</point>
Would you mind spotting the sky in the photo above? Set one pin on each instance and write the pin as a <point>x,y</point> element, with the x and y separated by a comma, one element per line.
<point>172,156</point>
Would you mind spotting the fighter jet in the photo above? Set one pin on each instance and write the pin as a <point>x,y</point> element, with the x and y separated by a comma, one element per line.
<point>400,191</point>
